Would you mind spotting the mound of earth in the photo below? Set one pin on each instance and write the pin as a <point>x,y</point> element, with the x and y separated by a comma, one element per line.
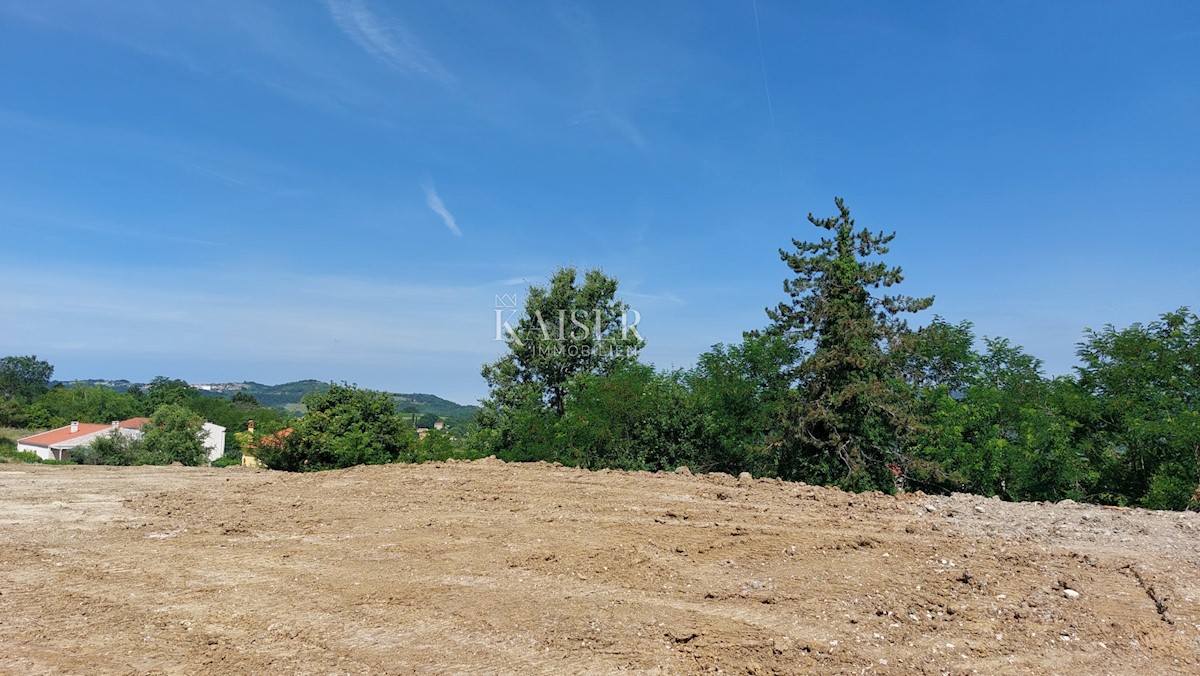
<point>493,567</point>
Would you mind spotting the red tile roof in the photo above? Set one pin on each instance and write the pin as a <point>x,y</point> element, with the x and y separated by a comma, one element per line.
<point>134,423</point>
<point>269,441</point>
<point>62,434</point>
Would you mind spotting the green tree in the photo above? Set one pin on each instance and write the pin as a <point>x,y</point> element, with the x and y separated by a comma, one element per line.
<point>566,329</point>
<point>344,426</point>
<point>112,449</point>
<point>630,418</point>
<point>13,413</point>
<point>940,355</point>
<point>163,390</point>
<point>24,378</point>
<point>1143,425</point>
<point>88,403</point>
<point>435,445</point>
<point>851,412</point>
<point>1003,431</point>
<point>175,433</point>
<point>739,395</point>
<point>245,399</point>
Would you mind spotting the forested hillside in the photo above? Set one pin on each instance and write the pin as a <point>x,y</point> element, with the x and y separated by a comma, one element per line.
<point>287,396</point>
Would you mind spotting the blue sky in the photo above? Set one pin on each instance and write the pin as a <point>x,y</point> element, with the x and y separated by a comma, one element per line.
<point>271,191</point>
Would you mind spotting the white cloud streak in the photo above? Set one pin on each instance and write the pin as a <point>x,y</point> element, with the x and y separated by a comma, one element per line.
<point>389,41</point>
<point>434,201</point>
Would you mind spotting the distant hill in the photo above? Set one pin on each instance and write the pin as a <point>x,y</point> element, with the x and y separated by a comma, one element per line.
<point>286,397</point>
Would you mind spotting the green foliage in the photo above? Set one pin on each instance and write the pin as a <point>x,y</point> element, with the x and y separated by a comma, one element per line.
<point>115,449</point>
<point>569,335</point>
<point>61,405</point>
<point>427,420</point>
<point>739,396</point>
<point>840,391</point>
<point>630,418</point>
<point>13,413</point>
<point>244,399</point>
<point>344,426</point>
<point>566,329</point>
<point>19,456</point>
<point>438,445</point>
<point>1002,432</point>
<point>1143,387</point>
<point>175,434</point>
<point>852,412</point>
<point>227,461</point>
<point>939,356</point>
<point>163,391</point>
<point>24,378</point>
<point>8,447</point>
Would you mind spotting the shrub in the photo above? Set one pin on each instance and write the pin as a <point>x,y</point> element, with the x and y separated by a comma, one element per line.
<point>112,449</point>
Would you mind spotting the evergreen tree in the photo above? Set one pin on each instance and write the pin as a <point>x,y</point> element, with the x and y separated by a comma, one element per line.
<point>851,410</point>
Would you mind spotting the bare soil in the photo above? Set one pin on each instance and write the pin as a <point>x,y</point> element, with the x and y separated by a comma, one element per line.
<point>489,567</point>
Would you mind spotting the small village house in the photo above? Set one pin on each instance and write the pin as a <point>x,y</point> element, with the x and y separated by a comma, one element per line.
<point>56,444</point>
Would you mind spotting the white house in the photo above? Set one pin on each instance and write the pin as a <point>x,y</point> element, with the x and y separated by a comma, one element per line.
<point>214,440</point>
<point>57,444</point>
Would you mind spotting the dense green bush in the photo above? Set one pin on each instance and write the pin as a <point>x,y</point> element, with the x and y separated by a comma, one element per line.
<point>344,426</point>
<point>112,449</point>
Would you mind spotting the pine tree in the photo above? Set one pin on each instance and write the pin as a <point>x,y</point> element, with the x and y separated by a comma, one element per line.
<point>851,409</point>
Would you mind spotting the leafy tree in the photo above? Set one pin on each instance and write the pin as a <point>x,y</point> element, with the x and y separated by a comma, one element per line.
<point>940,355</point>
<point>630,418</point>
<point>427,420</point>
<point>24,378</point>
<point>13,414</point>
<point>162,391</point>
<point>113,449</point>
<point>174,433</point>
<point>739,394</point>
<point>245,399</point>
<point>567,328</point>
<point>435,445</point>
<point>1144,422</point>
<point>1003,432</point>
<point>851,411</point>
<point>344,426</point>
<point>89,403</point>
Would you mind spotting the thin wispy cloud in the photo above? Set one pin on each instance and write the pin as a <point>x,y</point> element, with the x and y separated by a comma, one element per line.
<point>388,40</point>
<point>434,201</point>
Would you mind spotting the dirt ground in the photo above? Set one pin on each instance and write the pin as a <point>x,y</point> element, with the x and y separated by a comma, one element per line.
<point>486,567</point>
